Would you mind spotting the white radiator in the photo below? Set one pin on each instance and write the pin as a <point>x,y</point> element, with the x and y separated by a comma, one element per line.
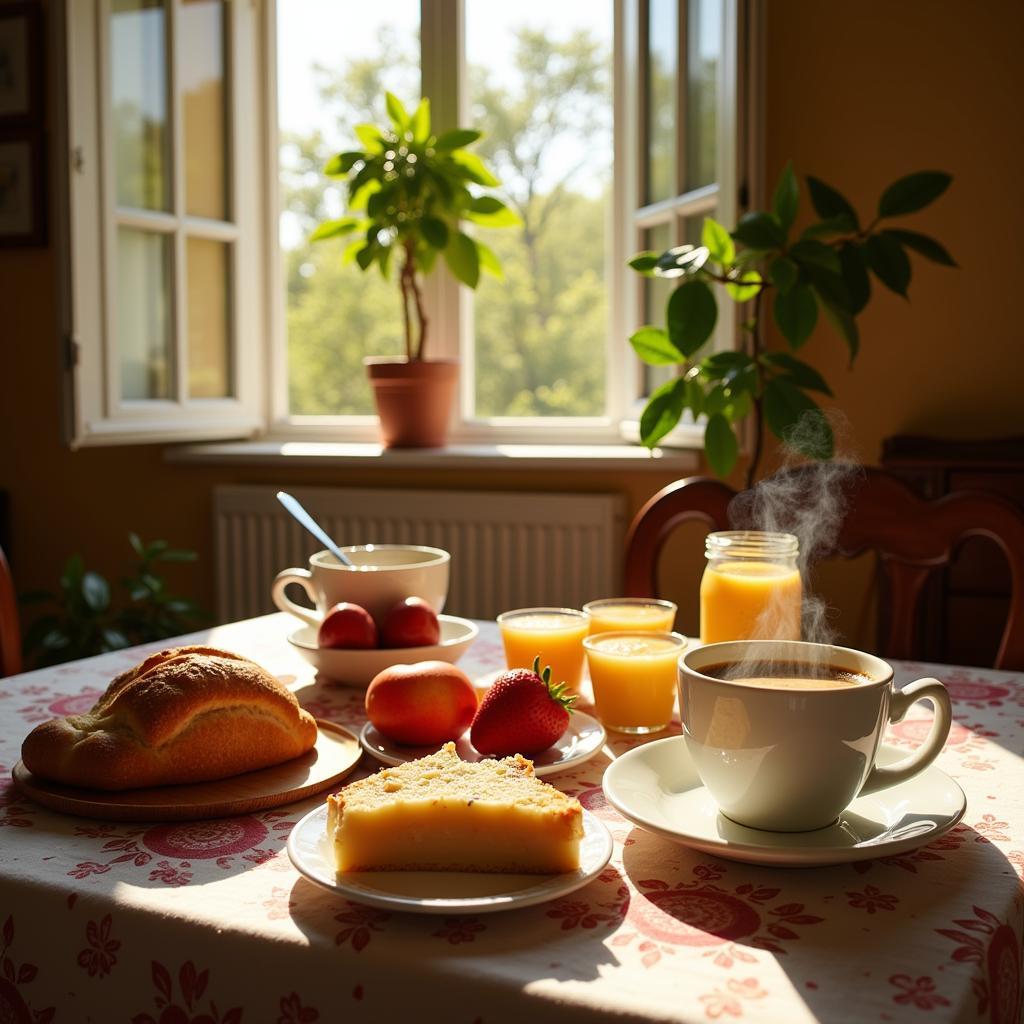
<point>509,549</point>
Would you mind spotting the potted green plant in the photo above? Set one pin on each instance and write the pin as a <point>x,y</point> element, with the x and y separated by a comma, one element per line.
<point>828,266</point>
<point>408,191</point>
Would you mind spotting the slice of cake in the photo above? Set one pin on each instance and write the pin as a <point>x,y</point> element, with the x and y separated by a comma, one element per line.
<point>440,813</point>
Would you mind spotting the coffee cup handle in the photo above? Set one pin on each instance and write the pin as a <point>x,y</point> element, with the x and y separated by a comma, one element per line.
<point>921,689</point>
<point>304,579</point>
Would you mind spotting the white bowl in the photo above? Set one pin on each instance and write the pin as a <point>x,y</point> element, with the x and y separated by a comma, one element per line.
<point>359,667</point>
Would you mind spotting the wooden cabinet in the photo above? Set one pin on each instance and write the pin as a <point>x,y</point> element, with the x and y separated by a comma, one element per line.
<point>964,609</point>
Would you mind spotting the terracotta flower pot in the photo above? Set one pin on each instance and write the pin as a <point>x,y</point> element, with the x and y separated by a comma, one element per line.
<point>414,399</point>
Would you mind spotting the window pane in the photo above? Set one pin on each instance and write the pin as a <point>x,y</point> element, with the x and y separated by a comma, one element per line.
<point>662,115</point>
<point>201,68</point>
<point>540,88</point>
<point>143,313</point>
<point>138,77</point>
<point>704,47</point>
<point>335,60</point>
<point>209,369</point>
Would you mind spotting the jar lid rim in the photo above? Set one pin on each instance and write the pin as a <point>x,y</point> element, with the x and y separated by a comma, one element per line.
<point>759,542</point>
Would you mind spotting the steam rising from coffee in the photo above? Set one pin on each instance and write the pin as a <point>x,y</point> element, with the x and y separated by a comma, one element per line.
<point>809,500</point>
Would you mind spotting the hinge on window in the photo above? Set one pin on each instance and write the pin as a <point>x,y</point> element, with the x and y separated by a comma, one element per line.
<point>744,196</point>
<point>78,159</point>
<point>71,348</point>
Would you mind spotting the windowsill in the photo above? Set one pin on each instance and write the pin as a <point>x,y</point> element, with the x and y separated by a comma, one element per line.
<point>469,456</point>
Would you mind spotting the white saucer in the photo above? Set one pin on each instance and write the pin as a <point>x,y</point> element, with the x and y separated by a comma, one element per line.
<point>657,787</point>
<point>583,738</point>
<point>442,892</point>
<point>359,667</point>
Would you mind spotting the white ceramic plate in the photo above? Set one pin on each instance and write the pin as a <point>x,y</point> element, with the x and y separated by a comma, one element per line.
<point>582,740</point>
<point>359,667</point>
<point>442,892</point>
<point>656,786</point>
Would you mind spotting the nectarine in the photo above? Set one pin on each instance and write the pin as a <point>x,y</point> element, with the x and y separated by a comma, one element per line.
<point>422,704</point>
<point>410,623</point>
<point>348,626</point>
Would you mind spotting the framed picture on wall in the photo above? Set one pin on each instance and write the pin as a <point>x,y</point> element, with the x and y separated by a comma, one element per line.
<point>22,190</point>
<point>21,60</point>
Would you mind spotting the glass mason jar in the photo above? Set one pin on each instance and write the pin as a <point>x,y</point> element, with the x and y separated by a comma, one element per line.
<point>751,588</point>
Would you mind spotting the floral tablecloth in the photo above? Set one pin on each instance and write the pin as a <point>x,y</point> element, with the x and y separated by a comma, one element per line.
<point>209,923</point>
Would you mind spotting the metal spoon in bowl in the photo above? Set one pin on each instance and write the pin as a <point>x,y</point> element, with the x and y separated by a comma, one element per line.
<point>313,526</point>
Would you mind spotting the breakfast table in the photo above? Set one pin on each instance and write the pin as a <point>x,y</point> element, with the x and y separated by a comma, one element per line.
<point>209,922</point>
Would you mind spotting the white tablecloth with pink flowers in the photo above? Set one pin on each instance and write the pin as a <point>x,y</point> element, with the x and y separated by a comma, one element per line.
<point>209,922</point>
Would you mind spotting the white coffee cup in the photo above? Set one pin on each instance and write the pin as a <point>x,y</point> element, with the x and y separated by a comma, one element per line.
<point>381,575</point>
<point>790,760</point>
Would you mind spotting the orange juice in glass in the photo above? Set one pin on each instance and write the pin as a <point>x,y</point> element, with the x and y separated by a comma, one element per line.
<point>634,678</point>
<point>554,634</point>
<point>631,613</point>
<point>751,588</point>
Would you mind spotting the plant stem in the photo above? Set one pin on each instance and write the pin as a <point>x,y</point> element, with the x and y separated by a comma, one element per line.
<point>417,295</point>
<point>403,283</point>
<point>757,347</point>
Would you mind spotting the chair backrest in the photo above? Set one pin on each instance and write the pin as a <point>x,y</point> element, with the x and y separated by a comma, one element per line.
<point>10,631</point>
<point>911,536</point>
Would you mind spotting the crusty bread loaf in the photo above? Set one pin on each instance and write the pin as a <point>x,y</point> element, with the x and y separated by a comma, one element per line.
<point>188,714</point>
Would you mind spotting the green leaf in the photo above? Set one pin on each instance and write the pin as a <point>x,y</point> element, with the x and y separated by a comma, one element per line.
<point>889,262</point>
<point>681,260</point>
<point>747,285</point>
<point>434,231</point>
<point>369,136</point>
<point>845,325</point>
<point>720,445</point>
<point>74,568</point>
<point>828,284</point>
<point>473,168</point>
<point>853,266</point>
<point>419,123</point>
<point>114,639</point>
<point>492,212</point>
<point>926,246</point>
<point>365,256</point>
<point>96,592</point>
<point>802,374</point>
<point>337,228</point>
<point>652,345</point>
<point>829,203</point>
<point>796,313</point>
<point>396,111</point>
<point>488,260</point>
<point>913,193</point>
<point>783,273</point>
<point>784,405</point>
<point>786,200</point>
<point>662,411</point>
<point>178,555</point>
<point>809,252</point>
<point>463,259</point>
<point>645,262</point>
<point>717,240</point>
<point>338,166</point>
<point>841,224</point>
<point>456,139</point>
<point>137,546</point>
<point>759,231</point>
<point>691,315</point>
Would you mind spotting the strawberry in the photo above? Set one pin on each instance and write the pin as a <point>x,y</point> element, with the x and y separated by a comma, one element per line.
<point>522,713</point>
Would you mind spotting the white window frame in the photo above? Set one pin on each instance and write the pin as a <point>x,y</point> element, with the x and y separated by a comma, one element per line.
<point>259,343</point>
<point>99,415</point>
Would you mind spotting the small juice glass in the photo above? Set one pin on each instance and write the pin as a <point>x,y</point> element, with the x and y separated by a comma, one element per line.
<point>553,634</point>
<point>751,587</point>
<point>634,678</point>
<point>631,613</point>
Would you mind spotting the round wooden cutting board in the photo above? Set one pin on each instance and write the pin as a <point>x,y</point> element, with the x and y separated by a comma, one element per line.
<point>336,753</point>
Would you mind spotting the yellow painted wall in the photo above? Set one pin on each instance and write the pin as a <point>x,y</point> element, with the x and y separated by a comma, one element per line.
<point>856,94</point>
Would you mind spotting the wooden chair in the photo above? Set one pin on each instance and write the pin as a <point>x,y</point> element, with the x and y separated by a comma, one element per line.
<point>911,536</point>
<point>10,632</point>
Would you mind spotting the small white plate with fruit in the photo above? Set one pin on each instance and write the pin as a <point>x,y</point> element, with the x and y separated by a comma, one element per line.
<point>358,665</point>
<point>413,709</point>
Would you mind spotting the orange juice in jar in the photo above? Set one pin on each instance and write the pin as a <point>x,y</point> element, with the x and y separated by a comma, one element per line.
<point>554,634</point>
<point>751,588</point>
<point>633,674</point>
<point>646,614</point>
